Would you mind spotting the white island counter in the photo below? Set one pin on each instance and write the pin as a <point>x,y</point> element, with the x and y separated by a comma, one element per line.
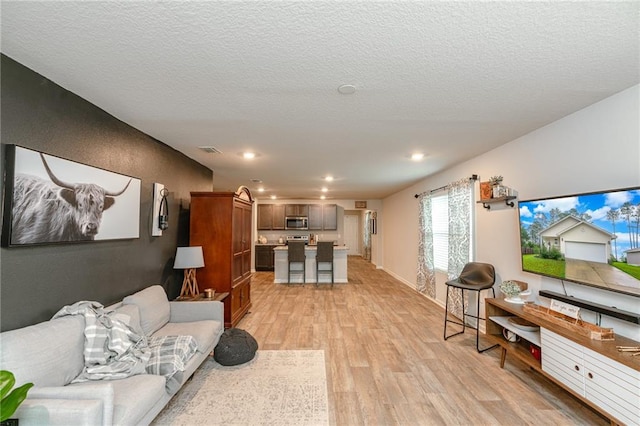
<point>282,265</point>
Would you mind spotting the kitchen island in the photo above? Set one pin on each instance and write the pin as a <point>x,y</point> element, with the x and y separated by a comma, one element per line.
<point>282,265</point>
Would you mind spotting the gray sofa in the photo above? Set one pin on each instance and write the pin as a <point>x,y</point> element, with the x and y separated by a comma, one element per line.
<point>50,355</point>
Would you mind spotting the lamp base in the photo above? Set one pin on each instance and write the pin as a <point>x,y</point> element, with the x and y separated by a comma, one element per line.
<point>189,284</point>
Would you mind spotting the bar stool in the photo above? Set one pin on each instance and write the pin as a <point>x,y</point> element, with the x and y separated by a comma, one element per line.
<point>475,276</point>
<point>324,254</point>
<point>296,255</point>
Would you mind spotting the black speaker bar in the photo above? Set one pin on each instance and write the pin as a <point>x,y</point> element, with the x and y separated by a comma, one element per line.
<point>595,307</point>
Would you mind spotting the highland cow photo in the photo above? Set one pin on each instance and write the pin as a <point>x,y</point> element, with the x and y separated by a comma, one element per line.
<point>52,200</point>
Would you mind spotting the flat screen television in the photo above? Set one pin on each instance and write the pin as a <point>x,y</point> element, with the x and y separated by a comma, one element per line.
<point>591,239</point>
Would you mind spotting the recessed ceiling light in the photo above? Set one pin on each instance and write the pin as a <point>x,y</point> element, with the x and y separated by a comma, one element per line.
<point>417,156</point>
<point>324,189</point>
<point>249,155</point>
<point>322,197</point>
<point>273,197</point>
<point>328,178</point>
<point>347,89</point>
<point>261,189</point>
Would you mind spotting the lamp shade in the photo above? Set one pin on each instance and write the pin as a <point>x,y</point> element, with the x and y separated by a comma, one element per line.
<point>189,257</point>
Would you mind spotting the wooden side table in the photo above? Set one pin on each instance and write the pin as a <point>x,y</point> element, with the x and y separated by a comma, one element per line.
<point>200,298</point>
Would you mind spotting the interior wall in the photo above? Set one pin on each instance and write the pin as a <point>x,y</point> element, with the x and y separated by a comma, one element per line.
<point>36,281</point>
<point>596,148</point>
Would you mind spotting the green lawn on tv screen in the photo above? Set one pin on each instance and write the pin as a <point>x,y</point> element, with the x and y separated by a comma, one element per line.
<point>551,267</point>
<point>632,270</point>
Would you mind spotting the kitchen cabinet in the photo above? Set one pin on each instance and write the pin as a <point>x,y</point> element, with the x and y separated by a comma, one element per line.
<point>323,217</point>
<point>591,370</point>
<point>301,210</point>
<point>264,257</point>
<point>265,217</point>
<point>220,222</point>
<point>315,217</point>
<point>270,217</point>
<point>330,217</point>
<point>278,217</point>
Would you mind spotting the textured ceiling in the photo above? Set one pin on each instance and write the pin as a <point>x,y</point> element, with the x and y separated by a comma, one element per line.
<point>449,79</point>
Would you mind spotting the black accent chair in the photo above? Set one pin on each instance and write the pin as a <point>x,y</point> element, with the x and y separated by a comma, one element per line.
<point>475,276</point>
<point>324,255</point>
<point>296,255</point>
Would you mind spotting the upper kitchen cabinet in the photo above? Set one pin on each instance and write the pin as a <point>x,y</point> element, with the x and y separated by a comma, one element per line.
<point>265,217</point>
<point>329,217</point>
<point>315,217</point>
<point>299,210</point>
<point>270,217</point>
<point>278,217</point>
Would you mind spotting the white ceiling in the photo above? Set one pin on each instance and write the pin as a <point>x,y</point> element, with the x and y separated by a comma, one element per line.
<point>449,79</point>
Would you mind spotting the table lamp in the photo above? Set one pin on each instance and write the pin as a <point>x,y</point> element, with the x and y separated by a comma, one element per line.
<point>189,258</point>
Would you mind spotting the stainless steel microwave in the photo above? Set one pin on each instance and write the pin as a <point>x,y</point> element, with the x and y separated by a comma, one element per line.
<point>296,222</point>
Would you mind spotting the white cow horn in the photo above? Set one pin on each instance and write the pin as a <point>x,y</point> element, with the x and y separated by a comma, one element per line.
<point>63,184</point>
<point>53,177</point>
<point>115,194</point>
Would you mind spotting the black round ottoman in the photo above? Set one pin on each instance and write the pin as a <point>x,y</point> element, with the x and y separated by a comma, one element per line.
<point>236,346</point>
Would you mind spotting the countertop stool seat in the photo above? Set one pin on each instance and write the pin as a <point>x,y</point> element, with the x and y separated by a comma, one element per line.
<point>475,276</point>
<point>324,256</point>
<point>296,255</point>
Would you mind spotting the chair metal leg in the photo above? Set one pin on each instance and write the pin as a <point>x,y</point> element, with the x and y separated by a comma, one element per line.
<point>478,325</point>
<point>318,271</point>
<point>464,317</point>
<point>446,316</point>
<point>304,274</point>
<point>332,275</point>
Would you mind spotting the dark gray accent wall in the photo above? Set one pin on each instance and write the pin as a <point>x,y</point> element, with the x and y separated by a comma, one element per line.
<point>36,281</point>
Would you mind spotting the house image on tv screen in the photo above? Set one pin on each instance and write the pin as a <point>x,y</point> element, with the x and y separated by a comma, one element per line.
<point>578,239</point>
<point>633,256</point>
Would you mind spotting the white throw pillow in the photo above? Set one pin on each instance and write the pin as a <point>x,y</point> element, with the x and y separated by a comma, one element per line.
<point>154,308</point>
<point>130,315</point>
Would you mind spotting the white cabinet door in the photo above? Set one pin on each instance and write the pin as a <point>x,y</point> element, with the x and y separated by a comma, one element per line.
<point>612,386</point>
<point>606,383</point>
<point>562,359</point>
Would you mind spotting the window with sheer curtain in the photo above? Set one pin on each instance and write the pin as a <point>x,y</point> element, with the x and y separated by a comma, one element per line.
<point>445,227</point>
<point>440,225</point>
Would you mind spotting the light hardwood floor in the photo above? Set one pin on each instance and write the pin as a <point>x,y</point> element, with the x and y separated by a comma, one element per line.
<point>387,363</point>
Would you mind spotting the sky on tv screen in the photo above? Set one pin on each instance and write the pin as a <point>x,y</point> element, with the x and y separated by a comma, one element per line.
<point>596,209</point>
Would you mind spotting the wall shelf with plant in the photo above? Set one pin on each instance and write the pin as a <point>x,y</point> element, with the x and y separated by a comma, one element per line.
<point>493,191</point>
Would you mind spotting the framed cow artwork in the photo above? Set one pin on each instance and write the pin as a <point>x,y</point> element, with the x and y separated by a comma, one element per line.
<point>51,200</point>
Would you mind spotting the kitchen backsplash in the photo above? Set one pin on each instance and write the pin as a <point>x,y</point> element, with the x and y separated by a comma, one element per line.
<point>274,236</point>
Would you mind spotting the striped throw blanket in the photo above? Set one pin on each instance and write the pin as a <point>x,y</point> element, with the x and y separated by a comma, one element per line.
<point>113,350</point>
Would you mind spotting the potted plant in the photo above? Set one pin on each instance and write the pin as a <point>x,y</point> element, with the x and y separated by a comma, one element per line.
<point>11,399</point>
<point>496,183</point>
<point>513,290</point>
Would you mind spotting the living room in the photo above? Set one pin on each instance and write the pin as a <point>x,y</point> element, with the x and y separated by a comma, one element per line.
<point>594,148</point>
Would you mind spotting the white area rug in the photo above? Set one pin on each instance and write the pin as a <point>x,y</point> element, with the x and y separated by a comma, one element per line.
<point>275,388</point>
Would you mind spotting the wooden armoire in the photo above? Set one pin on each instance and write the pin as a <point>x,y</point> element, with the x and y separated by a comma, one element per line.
<point>220,222</point>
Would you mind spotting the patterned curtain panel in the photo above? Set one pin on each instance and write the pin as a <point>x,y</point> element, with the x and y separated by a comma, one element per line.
<point>460,194</point>
<point>426,280</point>
<point>366,232</point>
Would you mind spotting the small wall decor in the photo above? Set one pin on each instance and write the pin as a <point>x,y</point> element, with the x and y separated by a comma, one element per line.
<point>160,210</point>
<point>49,200</point>
<point>486,191</point>
<point>361,204</point>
